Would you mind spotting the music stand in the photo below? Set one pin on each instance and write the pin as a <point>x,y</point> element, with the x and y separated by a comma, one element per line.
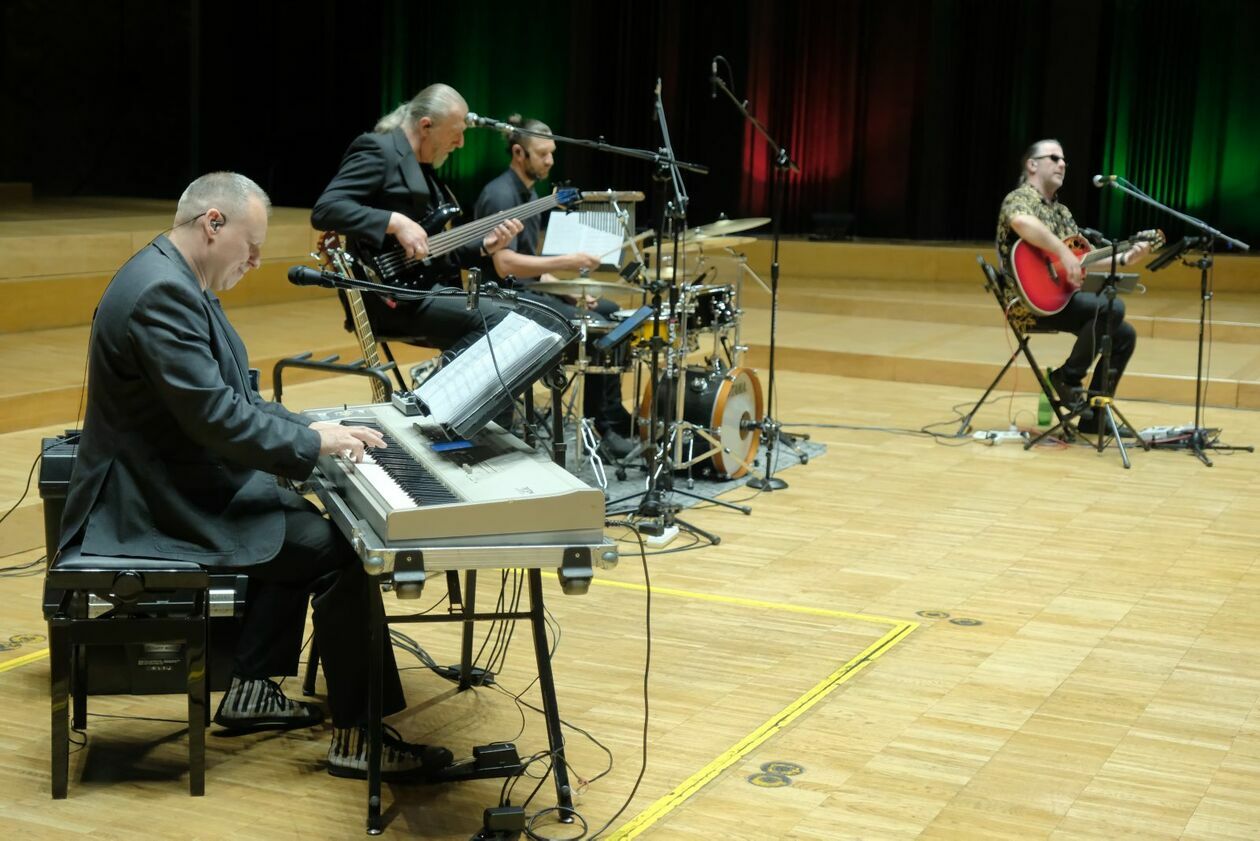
<point>1101,401</point>
<point>1200,439</point>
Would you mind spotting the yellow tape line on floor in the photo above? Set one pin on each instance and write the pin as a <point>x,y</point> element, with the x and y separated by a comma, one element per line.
<point>692,785</point>
<point>23,660</point>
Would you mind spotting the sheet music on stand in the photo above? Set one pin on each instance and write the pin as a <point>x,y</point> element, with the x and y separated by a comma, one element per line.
<point>1126,282</point>
<point>467,392</point>
<point>566,234</point>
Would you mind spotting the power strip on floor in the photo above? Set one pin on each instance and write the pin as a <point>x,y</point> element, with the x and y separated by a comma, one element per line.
<point>656,541</point>
<point>997,436</point>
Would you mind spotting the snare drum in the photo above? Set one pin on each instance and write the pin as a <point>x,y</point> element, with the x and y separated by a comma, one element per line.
<point>614,359</point>
<point>643,333</point>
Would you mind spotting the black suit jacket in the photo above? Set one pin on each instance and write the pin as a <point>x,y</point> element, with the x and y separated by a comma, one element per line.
<point>177,449</point>
<point>379,174</point>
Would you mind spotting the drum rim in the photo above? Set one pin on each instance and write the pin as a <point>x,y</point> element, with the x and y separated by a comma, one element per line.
<point>719,404</point>
<point>724,392</point>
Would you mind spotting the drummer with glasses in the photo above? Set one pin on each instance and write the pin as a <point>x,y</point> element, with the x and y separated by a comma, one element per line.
<point>531,161</point>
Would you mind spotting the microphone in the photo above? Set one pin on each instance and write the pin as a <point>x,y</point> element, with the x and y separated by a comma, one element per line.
<point>475,121</point>
<point>713,79</point>
<point>1104,180</point>
<point>1094,236</point>
<point>306,276</point>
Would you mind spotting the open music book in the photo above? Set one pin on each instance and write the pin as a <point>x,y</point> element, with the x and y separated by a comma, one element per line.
<point>471,389</point>
<point>566,234</point>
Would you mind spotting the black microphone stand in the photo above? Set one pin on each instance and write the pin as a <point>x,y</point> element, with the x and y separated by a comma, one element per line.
<point>660,463</point>
<point>771,429</point>
<point>1199,440</point>
<point>662,157</point>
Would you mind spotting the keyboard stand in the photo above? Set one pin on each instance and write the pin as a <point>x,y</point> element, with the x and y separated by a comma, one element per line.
<point>380,622</point>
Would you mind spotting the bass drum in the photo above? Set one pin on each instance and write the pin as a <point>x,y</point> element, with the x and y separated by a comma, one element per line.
<point>721,404</point>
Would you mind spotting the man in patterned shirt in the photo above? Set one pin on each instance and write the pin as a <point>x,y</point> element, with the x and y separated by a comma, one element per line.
<point>1033,213</point>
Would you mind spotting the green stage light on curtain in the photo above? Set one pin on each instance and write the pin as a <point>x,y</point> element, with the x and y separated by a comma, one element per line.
<point>498,68</point>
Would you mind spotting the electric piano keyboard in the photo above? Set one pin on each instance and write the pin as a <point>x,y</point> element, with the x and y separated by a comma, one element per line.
<point>420,506</point>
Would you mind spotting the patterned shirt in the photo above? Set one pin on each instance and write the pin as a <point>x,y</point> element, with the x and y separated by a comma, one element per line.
<point>1028,199</point>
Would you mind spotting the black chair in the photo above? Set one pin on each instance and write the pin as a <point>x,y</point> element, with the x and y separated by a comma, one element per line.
<point>1022,325</point>
<point>101,600</point>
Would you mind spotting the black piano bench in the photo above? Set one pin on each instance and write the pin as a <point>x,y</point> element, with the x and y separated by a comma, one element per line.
<point>121,613</point>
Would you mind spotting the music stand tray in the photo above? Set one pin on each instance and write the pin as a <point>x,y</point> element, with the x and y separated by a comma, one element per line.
<point>1126,282</point>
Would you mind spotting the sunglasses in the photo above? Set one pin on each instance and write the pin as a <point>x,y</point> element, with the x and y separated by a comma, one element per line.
<point>1055,158</point>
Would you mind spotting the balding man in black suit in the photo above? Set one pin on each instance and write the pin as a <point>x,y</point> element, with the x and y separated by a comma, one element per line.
<point>179,458</point>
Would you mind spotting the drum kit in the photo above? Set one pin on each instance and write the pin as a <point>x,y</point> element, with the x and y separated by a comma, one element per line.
<point>712,424</point>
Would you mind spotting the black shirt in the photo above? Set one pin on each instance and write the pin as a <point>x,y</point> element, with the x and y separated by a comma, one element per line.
<point>504,193</point>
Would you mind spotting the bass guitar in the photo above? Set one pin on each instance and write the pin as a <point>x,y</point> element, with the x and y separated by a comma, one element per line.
<point>391,265</point>
<point>1041,279</point>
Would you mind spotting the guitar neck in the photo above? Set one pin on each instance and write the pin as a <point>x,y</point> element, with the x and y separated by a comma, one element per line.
<point>448,241</point>
<point>1103,253</point>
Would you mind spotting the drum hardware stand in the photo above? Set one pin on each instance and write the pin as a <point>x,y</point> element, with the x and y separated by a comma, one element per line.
<point>1200,438</point>
<point>771,429</point>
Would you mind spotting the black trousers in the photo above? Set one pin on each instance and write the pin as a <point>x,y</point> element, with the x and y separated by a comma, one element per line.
<point>601,395</point>
<point>446,323</point>
<point>1086,315</point>
<point>439,321</point>
<point>315,560</point>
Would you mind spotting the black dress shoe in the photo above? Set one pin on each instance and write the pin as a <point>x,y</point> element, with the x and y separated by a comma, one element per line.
<point>400,761</point>
<point>1070,394</point>
<point>252,705</point>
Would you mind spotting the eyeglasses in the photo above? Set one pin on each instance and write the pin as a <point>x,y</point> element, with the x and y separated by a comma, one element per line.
<point>1055,158</point>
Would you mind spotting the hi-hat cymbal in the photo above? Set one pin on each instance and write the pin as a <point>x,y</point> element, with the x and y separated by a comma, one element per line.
<point>728,226</point>
<point>578,286</point>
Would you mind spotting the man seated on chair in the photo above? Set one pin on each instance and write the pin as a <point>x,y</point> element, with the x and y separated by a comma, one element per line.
<point>179,459</point>
<point>531,162</point>
<point>1032,212</point>
<point>386,184</point>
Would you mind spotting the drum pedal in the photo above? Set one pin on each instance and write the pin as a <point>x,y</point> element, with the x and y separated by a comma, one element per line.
<point>497,759</point>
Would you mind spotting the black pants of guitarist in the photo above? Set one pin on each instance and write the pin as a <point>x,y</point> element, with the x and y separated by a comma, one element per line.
<point>446,323</point>
<point>315,560</point>
<point>1086,315</point>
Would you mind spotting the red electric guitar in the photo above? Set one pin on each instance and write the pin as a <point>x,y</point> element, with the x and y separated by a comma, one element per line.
<point>1041,278</point>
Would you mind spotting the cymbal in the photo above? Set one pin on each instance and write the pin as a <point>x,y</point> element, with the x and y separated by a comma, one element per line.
<point>583,286</point>
<point>667,273</point>
<point>667,247</point>
<point>728,226</point>
<point>714,243</point>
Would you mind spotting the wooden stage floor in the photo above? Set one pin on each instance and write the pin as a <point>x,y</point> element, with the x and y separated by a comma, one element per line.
<point>940,641</point>
<point>921,638</point>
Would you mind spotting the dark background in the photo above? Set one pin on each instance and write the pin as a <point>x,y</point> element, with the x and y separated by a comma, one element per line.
<point>907,117</point>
